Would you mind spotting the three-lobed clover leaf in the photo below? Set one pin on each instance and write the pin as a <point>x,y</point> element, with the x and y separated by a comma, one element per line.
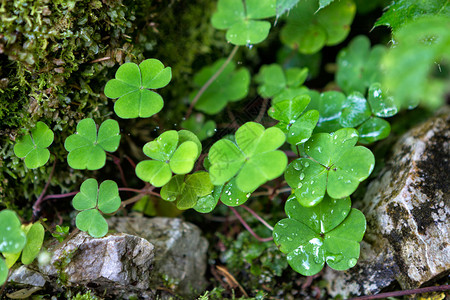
<point>242,20</point>
<point>335,167</point>
<point>297,126</point>
<point>231,85</point>
<point>253,157</point>
<point>90,201</point>
<point>308,29</point>
<point>273,79</point>
<point>171,152</point>
<point>87,148</point>
<point>34,146</point>
<point>133,85</point>
<point>185,190</point>
<point>328,232</point>
<point>359,65</point>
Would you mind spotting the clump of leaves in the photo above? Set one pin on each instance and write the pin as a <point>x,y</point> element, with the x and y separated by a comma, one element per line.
<point>133,86</point>
<point>171,152</point>
<point>33,146</point>
<point>12,238</point>
<point>92,201</point>
<point>309,30</point>
<point>297,126</point>
<point>334,166</point>
<point>87,148</point>
<point>359,65</point>
<point>328,232</point>
<point>242,20</point>
<point>231,85</point>
<point>253,159</point>
<point>272,79</point>
<point>185,190</point>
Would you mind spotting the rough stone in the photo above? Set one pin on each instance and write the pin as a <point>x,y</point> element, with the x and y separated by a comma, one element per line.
<point>407,210</point>
<point>180,250</point>
<point>27,276</point>
<point>119,264</point>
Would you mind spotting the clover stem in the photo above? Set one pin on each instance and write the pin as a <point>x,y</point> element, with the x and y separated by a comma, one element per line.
<point>262,110</point>
<point>132,163</point>
<point>406,292</point>
<point>126,189</point>
<point>116,161</point>
<point>37,204</point>
<point>132,200</point>
<point>57,196</point>
<point>248,227</point>
<point>257,216</point>
<point>210,80</point>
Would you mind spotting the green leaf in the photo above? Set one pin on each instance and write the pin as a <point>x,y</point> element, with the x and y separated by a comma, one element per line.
<point>185,136</point>
<point>309,26</point>
<point>232,195</point>
<point>381,105</point>
<point>271,80</point>
<point>412,69</point>
<point>90,200</point>
<point>207,203</point>
<point>329,231</point>
<point>183,159</point>
<point>35,238</point>
<point>230,85</point>
<point>401,12</point>
<point>254,157</point>
<point>186,190</point>
<point>242,23</point>
<point>196,124</point>
<point>336,166</point>
<point>3,271</point>
<point>355,111</point>
<point>373,130</point>
<point>284,6</point>
<point>34,146</point>
<point>93,222</point>
<point>163,147</point>
<point>358,65</point>
<point>12,237</point>
<point>131,86</point>
<point>86,149</point>
<point>329,107</point>
<point>158,173</point>
<point>323,3</point>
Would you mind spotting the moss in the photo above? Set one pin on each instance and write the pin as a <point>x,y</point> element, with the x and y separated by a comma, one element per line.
<point>56,57</point>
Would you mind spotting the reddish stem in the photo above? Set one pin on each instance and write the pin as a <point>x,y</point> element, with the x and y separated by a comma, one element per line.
<point>248,227</point>
<point>132,163</point>
<point>406,292</point>
<point>37,204</point>
<point>58,196</point>
<point>116,161</point>
<point>257,216</point>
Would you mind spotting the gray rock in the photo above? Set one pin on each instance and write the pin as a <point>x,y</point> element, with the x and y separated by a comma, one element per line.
<point>407,210</point>
<point>119,264</point>
<point>180,250</point>
<point>27,276</point>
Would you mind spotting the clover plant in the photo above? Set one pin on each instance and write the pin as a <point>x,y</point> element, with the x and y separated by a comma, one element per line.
<point>87,148</point>
<point>359,65</point>
<point>133,86</point>
<point>333,166</point>
<point>329,105</point>
<point>297,126</point>
<point>253,158</point>
<point>231,85</point>
<point>185,190</point>
<point>309,31</point>
<point>33,146</point>
<point>242,20</point>
<point>171,152</point>
<point>92,201</point>
<point>272,79</point>
<point>328,232</point>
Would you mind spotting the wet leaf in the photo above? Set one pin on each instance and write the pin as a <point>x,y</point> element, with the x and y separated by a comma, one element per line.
<point>12,237</point>
<point>33,146</point>
<point>355,111</point>
<point>372,130</point>
<point>35,238</point>
<point>328,232</point>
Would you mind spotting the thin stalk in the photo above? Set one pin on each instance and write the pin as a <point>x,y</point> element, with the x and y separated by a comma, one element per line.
<point>257,216</point>
<point>208,83</point>
<point>248,227</point>
<point>37,204</point>
<point>58,196</point>
<point>430,289</point>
